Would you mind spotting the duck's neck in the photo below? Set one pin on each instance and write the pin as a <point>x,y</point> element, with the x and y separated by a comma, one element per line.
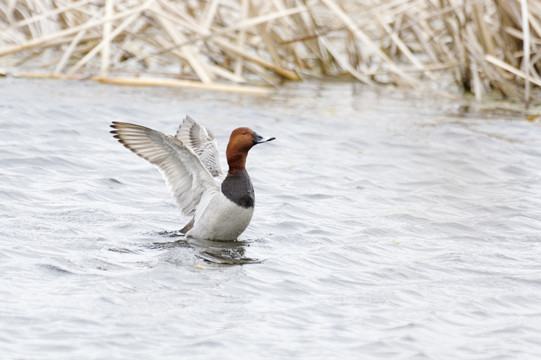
<point>237,186</point>
<point>236,162</point>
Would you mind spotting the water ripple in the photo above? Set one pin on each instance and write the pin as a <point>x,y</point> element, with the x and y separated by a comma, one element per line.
<point>386,226</point>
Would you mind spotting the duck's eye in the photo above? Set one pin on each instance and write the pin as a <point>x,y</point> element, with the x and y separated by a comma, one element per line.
<point>244,133</point>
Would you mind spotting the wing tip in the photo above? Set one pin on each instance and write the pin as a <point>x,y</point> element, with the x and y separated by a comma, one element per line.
<point>188,118</point>
<point>187,123</point>
<point>115,124</point>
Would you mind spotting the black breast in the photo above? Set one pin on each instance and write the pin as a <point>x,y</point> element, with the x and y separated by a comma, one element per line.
<point>238,188</point>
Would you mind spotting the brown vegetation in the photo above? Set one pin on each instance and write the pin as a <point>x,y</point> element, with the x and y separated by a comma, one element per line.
<point>483,45</point>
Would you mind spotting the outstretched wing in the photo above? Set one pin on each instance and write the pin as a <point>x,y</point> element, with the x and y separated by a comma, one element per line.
<point>182,168</point>
<point>202,142</point>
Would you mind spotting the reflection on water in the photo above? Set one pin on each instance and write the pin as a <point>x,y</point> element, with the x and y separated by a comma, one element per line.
<point>215,252</point>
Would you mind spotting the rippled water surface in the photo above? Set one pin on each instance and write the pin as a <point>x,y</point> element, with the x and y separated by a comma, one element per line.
<point>385,227</point>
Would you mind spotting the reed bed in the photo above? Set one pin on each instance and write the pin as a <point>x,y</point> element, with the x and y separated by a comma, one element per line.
<point>245,45</point>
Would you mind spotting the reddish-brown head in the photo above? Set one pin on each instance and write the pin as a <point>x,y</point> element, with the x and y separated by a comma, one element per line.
<point>240,142</point>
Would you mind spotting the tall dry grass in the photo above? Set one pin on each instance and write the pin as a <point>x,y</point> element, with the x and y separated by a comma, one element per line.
<point>479,45</point>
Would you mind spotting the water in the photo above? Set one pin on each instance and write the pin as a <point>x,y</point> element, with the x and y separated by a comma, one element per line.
<point>386,226</point>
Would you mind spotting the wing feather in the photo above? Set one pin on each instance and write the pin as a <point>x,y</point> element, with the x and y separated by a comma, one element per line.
<point>183,170</point>
<point>202,142</point>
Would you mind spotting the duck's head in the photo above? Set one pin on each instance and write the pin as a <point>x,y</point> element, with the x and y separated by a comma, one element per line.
<point>240,142</point>
<point>243,139</point>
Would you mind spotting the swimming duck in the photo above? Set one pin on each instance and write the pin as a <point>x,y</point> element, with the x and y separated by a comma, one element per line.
<point>189,161</point>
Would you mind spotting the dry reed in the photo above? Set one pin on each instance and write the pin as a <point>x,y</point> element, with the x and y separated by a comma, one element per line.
<point>483,45</point>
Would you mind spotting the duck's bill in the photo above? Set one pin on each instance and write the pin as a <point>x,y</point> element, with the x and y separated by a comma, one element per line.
<point>260,139</point>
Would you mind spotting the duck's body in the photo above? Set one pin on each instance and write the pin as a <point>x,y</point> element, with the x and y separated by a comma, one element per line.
<point>189,161</point>
<point>218,218</point>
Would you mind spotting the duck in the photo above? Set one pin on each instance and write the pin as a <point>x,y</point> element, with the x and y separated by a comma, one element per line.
<point>220,205</point>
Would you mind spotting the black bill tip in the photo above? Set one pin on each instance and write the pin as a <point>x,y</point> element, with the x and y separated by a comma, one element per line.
<point>258,139</point>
